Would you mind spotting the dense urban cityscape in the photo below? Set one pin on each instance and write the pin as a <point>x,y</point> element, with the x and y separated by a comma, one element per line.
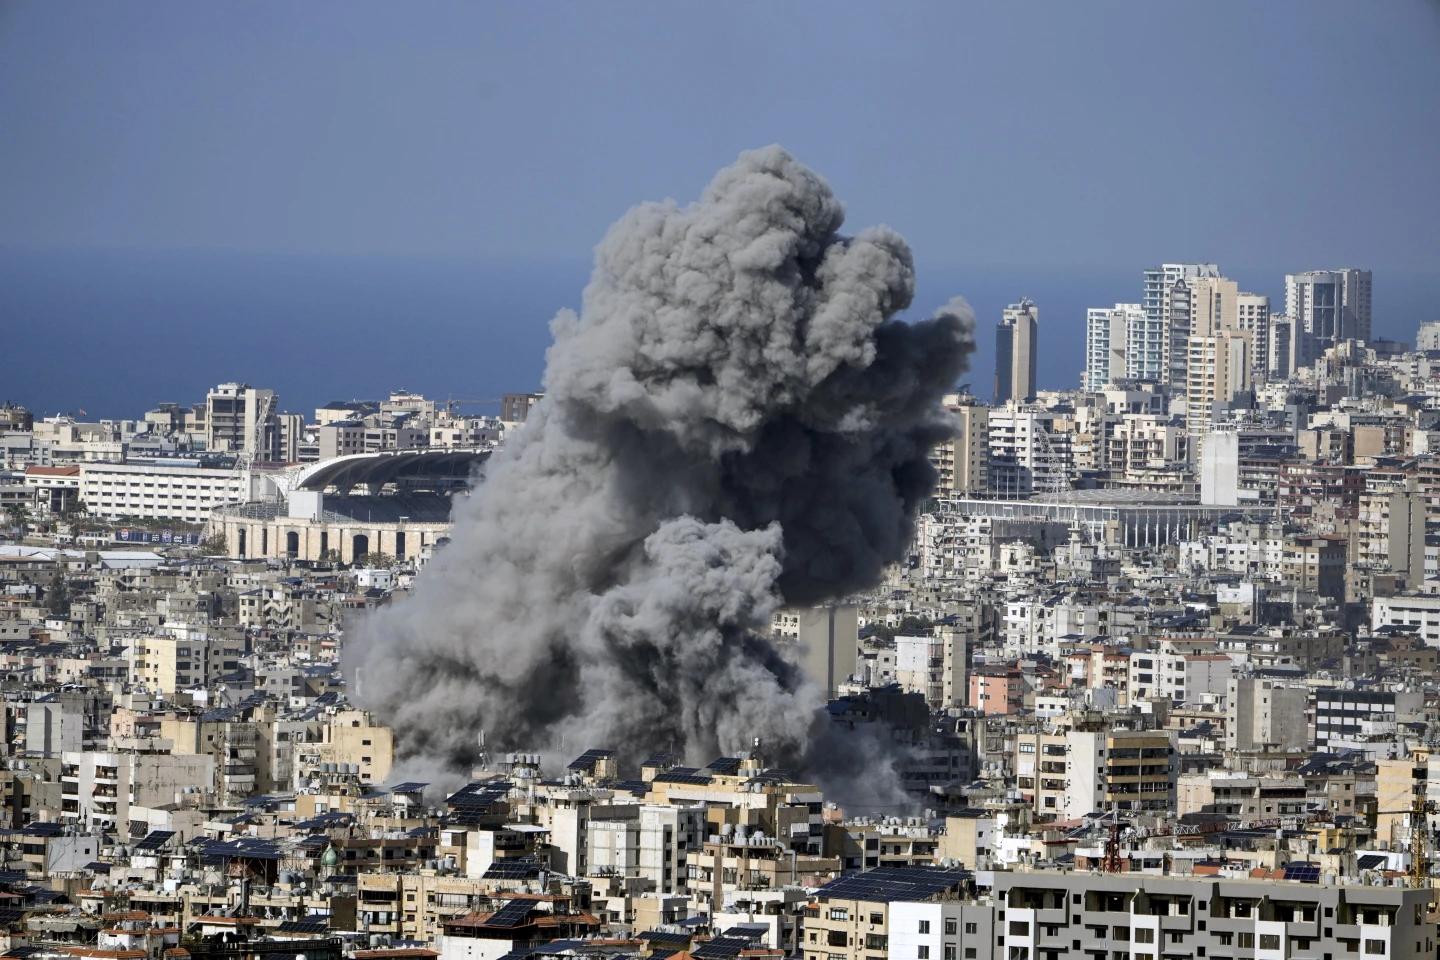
<point>470,489</point>
<point>1179,623</point>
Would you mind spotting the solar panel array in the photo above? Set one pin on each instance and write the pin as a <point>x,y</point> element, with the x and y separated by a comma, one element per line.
<point>884,884</point>
<point>724,765</point>
<point>1371,861</point>
<point>720,948</point>
<point>480,794</point>
<point>688,775</point>
<point>513,914</point>
<point>409,786</point>
<point>754,932</point>
<point>1303,872</point>
<point>306,925</point>
<point>519,868</point>
<point>243,848</point>
<point>587,760</point>
<point>155,840</point>
<point>326,821</point>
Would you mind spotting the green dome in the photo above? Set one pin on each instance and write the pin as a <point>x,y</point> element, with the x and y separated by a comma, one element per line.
<point>329,858</point>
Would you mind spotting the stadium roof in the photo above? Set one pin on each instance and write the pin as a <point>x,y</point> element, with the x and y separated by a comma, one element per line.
<point>382,468</point>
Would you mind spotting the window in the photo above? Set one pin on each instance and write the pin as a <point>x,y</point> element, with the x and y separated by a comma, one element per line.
<point>950,927</point>
<point>1144,935</point>
<point>1375,947</point>
<point>924,926</point>
<point>922,952</point>
<point>1269,941</point>
<point>969,928</point>
<point>1018,928</point>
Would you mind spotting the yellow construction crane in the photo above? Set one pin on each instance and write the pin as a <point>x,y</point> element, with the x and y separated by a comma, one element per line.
<point>1419,813</point>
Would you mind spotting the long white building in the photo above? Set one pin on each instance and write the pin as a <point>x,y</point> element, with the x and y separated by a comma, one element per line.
<point>183,491</point>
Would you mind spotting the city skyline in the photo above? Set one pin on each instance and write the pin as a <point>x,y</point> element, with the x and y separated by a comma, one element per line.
<point>298,200</point>
<point>420,539</point>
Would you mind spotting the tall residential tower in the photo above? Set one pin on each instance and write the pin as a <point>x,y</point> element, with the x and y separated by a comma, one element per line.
<point>1015,343</point>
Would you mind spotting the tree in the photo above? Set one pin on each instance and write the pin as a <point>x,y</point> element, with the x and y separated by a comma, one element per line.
<point>19,515</point>
<point>57,595</point>
<point>377,560</point>
<point>213,546</point>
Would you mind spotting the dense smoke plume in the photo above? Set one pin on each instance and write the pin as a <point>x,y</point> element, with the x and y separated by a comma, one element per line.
<point>732,421</point>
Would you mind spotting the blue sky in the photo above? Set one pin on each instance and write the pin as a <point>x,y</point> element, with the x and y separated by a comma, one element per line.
<point>1029,142</point>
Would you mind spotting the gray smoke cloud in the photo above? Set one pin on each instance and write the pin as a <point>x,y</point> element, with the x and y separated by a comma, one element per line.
<point>734,420</point>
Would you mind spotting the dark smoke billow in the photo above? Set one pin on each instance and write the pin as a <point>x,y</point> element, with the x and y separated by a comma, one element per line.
<point>734,420</point>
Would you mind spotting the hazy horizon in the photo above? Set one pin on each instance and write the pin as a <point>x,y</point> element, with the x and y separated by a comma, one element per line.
<point>166,326</point>
<point>288,193</point>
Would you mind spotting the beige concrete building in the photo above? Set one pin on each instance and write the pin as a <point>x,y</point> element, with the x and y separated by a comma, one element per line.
<point>351,738</point>
<point>963,462</point>
<point>184,657</point>
<point>1016,339</point>
<point>1218,371</point>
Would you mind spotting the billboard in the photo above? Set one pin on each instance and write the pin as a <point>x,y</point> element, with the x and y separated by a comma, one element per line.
<point>166,538</point>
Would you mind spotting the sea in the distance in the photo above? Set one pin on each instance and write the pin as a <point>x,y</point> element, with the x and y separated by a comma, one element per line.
<point>115,333</point>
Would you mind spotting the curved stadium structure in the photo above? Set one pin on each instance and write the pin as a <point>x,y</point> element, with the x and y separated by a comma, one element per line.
<point>348,507</point>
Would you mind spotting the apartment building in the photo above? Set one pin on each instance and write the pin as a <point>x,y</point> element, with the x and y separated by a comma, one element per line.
<point>934,666</point>
<point>98,788</point>
<point>1027,454</point>
<point>1266,713</point>
<point>1040,770</point>
<point>1120,770</point>
<point>1178,675</point>
<point>1252,318</point>
<point>963,461</point>
<point>1166,303</point>
<point>653,841</point>
<point>849,918</point>
<point>826,638</point>
<point>1120,345</point>
<point>1342,714</point>
<point>1141,445</point>
<point>183,657</point>
<point>728,865</point>
<point>997,690</point>
<point>241,419</point>
<point>1390,532</point>
<point>1331,305</point>
<point>350,738</point>
<point>1087,916</point>
<point>183,491</point>
<point>1217,372</point>
<point>1417,613</point>
<point>1236,794</point>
